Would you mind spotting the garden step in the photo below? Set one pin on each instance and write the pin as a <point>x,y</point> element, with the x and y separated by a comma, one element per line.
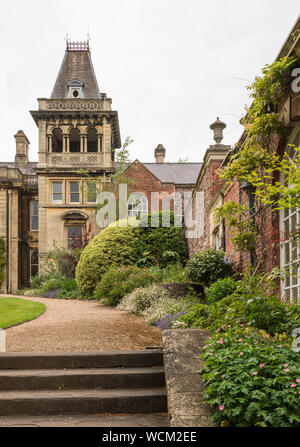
<point>134,400</point>
<point>99,359</point>
<point>54,379</point>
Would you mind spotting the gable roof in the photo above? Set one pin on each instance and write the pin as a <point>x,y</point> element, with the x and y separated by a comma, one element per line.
<point>76,66</point>
<point>177,173</point>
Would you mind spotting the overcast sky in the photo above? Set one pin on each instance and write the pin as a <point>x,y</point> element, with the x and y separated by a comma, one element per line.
<point>170,66</point>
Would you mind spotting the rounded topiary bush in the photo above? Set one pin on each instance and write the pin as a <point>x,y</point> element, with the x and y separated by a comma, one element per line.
<point>114,246</point>
<point>126,245</point>
<point>209,266</point>
<point>220,289</point>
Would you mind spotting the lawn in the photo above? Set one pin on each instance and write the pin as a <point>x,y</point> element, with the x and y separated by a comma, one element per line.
<point>15,310</point>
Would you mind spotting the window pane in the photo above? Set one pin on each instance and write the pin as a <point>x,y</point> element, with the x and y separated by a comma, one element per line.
<point>290,252</point>
<point>91,192</point>
<point>74,192</point>
<point>34,215</point>
<point>57,197</point>
<point>34,261</point>
<point>137,204</point>
<point>34,222</point>
<point>57,187</point>
<point>74,236</point>
<point>74,187</point>
<point>74,197</point>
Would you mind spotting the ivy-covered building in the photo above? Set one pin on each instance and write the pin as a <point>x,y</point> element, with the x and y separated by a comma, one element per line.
<point>277,244</point>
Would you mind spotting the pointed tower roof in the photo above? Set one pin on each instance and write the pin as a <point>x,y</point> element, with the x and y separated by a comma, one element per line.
<point>76,66</point>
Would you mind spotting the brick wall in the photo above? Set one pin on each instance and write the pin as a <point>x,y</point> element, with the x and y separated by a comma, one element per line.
<point>144,181</point>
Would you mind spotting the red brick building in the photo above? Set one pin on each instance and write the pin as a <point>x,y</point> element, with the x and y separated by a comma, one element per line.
<point>159,185</point>
<point>274,249</point>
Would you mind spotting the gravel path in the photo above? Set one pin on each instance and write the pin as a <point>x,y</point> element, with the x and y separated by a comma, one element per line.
<point>73,325</point>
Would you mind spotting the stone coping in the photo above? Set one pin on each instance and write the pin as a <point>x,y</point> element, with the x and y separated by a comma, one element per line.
<point>184,385</point>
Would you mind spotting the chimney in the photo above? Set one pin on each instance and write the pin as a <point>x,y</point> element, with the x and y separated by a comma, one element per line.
<point>218,127</point>
<point>159,154</point>
<point>22,145</point>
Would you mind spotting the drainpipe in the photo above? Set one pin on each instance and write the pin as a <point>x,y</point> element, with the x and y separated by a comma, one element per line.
<point>250,191</point>
<point>223,239</point>
<point>9,195</point>
<point>7,242</point>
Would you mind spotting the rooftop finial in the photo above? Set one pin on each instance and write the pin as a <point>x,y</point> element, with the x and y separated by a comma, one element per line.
<point>218,127</point>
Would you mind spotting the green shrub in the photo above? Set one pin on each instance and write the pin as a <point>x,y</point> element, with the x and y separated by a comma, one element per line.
<point>272,316</point>
<point>142,298</point>
<point>250,382</point>
<point>220,289</point>
<point>197,316</point>
<point>160,245</point>
<point>37,281</point>
<point>52,284</point>
<point>208,266</point>
<point>167,305</point>
<point>59,288</point>
<point>119,281</point>
<point>112,247</point>
<point>180,289</point>
<point>120,245</point>
<point>69,294</point>
<point>170,273</point>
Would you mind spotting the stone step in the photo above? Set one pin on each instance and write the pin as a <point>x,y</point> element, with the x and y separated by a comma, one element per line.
<point>99,359</point>
<point>102,378</point>
<point>134,400</point>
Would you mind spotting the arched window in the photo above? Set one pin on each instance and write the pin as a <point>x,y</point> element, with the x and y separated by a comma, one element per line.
<point>290,246</point>
<point>92,140</point>
<point>57,140</point>
<point>137,204</point>
<point>74,140</point>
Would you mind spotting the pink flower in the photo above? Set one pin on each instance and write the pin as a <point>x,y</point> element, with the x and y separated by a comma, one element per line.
<point>229,325</point>
<point>204,347</point>
<point>211,353</point>
<point>279,346</point>
<point>241,353</point>
<point>286,364</point>
<point>254,373</point>
<point>223,375</point>
<point>221,407</point>
<point>286,370</point>
<point>241,325</point>
<point>293,385</point>
<point>262,365</point>
<point>298,380</point>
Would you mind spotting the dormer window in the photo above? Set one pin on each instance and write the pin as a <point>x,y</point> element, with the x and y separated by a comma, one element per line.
<point>75,89</point>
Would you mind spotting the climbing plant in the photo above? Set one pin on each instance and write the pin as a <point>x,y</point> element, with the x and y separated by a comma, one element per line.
<point>253,163</point>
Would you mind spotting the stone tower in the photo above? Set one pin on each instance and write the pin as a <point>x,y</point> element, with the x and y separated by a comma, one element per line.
<point>78,131</point>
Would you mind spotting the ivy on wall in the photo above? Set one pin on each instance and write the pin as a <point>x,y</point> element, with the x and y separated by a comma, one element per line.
<point>253,162</point>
